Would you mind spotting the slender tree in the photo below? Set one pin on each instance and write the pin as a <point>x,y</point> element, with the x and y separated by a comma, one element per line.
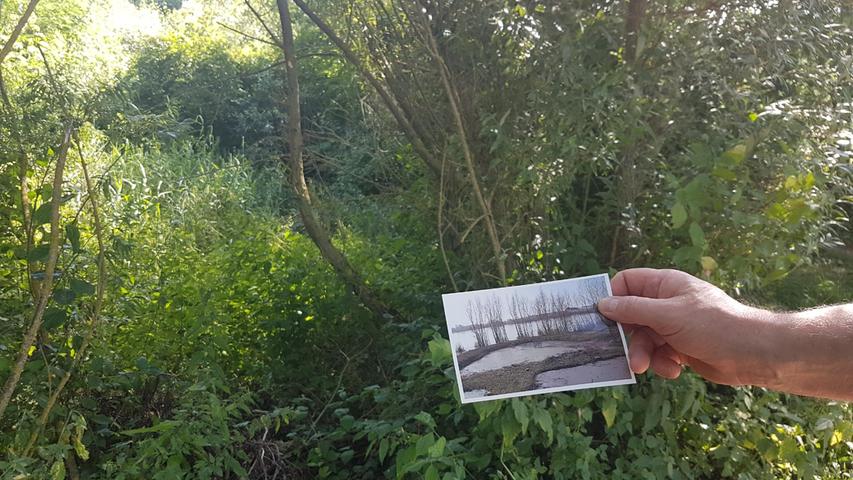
<point>296,145</point>
<point>94,315</point>
<point>45,290</point>
<point>16,32</point>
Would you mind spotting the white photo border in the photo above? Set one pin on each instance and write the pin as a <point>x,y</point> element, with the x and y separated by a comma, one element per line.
<point>525,393</point>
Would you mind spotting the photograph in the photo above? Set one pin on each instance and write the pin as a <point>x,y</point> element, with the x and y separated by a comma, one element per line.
<point>531,339</point>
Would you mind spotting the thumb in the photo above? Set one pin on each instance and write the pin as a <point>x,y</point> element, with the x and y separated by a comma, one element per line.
<point>649,312</point>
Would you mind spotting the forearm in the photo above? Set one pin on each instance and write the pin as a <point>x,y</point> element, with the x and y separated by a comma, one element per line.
<point>814,352</point>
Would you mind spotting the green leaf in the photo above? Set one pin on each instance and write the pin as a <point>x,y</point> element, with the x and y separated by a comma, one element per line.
<point>777,274</point>
<point>404,458</point>
<point>608,409</point>
<point>422,447</point>
<point>39,253</point>
<point>163,426</point>
<point>543,419</point>
<point>431,473</point>
<point>777,212</point>
<point>679,215</point>
<point>64,296</point>
<point>54,317</point>
<point>57,470</point>
<point>736,154</point>
<point>697,236</point>
<point>79,430</point>
<point>789,449</point>
<point>42,215</point>
<point>82,287</point>
<point>72,233</point>
<point>510,428</point>
<point>347,454</point>
<point>823,423</point>
<point>486,409</point>
<point>235,467</point>
<point>426,419</point>
<point>724,173</point>
<point>797,209</point>
<point>652,412</point>
<point>808,181</point>
<point>437,449</point>
<point>521,414</point>
<point>383,449</point>
<point>439,349</point>
<point>80,448</point>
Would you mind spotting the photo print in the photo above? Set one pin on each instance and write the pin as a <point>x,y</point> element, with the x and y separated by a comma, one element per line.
<point>541,338</point>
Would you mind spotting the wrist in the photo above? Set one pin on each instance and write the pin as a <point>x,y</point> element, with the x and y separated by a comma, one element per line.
<point>806,352</point>
<point>765,341</point>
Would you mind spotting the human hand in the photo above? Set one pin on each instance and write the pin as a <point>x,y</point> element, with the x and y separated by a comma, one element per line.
<point>675,319</point>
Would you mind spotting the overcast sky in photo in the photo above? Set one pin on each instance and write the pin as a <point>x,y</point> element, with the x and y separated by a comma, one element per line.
<point>455,303</point>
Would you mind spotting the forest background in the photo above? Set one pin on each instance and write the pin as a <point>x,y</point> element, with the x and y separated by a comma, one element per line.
<point>225,227</point>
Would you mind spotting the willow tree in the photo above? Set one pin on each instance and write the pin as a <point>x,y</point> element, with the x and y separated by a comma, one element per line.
<point>586,126</point>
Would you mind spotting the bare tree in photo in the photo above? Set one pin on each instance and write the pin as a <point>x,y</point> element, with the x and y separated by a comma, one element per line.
<point>494,314</point>
<point>542,310</point>
<point>578,304</point>
<point>594,290</point>
<point>478,326</point>
<point>519,311</point>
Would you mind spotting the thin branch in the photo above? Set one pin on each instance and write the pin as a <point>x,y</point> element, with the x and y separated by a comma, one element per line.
<point>249,36</point>
<point>470,228</point>
<point>340,382</point>
<point>332,395</point>
<point>16,32</point>
<point>440,230</point>
<point>45,290</point>
<point>269,31</point>
<point>95,317</point>
<point>390,103</point>
<point>258,72</point>
<point>453,98</point>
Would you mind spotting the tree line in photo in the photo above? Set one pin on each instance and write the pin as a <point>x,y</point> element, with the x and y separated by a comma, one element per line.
<point>545,314</point>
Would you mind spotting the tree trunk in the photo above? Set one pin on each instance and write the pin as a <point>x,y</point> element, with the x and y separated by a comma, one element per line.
<point>297,176</point>
<point>633,21</point>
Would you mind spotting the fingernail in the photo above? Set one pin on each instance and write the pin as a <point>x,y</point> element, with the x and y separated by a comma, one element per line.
<point>607,305</point>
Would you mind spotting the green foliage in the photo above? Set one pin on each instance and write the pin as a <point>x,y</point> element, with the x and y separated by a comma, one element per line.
<point>228,348</point>
<point>198,441</point>
<point>415,427</point>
